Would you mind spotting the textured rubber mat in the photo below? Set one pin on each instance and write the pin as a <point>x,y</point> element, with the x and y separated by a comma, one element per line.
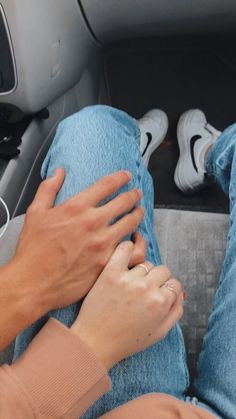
<point>175,75</point>
<point>195,257</point>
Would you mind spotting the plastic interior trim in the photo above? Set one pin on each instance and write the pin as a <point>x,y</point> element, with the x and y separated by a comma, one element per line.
<point>12,54</point>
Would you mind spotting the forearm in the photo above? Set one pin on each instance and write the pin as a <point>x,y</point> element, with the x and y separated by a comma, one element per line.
<point>51,383</point>
<point>19,306</point>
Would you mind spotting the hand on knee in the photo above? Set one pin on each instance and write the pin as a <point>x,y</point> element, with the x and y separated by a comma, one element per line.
<point>128,310</point>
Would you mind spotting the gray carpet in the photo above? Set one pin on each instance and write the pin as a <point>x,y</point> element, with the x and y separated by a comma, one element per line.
<point>192,244</point>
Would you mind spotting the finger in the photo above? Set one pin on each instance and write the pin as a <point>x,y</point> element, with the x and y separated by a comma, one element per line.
<point>140,250</point>
<point>174,315</point>
<point>127,225</point>
<point>120,259</point>
<point>121,204</point>
<point>103,188</point>
<point>159,275</point>
<point>142,269</point>
<point>48,190</point>
<point>171,291</point>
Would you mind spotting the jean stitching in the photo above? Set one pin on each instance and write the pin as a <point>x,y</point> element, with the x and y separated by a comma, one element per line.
<point>183,351</point>
<point>139,178</point>
<point>137,136</point>
<point>183,355</point>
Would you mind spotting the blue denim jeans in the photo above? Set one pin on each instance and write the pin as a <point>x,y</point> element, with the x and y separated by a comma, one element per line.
<point>96,142</point>
<point>216,378</point>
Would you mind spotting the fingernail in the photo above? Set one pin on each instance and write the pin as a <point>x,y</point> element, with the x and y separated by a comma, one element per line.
<point>54,173</point>
<point>124,245</point>
<point>128,174</point>
<point>140,193</point>
<point>143,210</point>
<point>185,296</point>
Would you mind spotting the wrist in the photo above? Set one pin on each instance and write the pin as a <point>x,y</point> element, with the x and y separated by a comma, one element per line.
<point>22,294</point>
<point>101,351</point>
<point>18,305</point>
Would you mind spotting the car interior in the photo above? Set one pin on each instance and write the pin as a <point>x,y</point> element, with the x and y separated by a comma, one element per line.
<point>58,56</point>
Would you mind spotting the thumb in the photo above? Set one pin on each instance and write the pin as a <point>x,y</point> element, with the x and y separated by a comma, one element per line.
<point>119,261</point>
<point>48,190</point>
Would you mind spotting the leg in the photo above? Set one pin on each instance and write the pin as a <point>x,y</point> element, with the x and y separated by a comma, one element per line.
<point>216,381</point>
<point>93,143</point>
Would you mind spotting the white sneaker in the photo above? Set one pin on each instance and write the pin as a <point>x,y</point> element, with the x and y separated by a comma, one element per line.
<point>153,126</point>
<point>195,136</point>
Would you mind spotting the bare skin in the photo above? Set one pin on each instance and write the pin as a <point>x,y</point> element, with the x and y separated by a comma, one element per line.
<point>128,310</point>
<point>62,250</point>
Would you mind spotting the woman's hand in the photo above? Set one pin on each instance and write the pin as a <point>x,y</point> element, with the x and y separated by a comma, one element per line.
<point>128,310</point>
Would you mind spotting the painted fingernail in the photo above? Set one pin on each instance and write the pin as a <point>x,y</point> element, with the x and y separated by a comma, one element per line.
<point>184,296</point>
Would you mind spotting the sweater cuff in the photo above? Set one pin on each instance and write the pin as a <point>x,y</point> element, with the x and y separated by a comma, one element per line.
<point>59,375</point>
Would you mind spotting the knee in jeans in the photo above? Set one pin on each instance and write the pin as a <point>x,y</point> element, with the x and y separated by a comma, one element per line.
<point>94,124</point>
<point>97,112</point>
<point>92,115</point>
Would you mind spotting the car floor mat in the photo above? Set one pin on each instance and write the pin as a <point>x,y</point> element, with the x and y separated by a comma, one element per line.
<point>175,74</point>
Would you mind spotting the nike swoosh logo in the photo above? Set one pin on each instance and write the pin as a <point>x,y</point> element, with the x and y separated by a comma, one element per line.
<point>149,136</point>
<point>192,143</point>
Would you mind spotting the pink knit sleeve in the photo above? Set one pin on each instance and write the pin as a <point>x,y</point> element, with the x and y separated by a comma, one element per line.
<point>56,377</point>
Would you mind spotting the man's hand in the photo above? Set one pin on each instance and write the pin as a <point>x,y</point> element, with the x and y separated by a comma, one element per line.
<point>62,250</point>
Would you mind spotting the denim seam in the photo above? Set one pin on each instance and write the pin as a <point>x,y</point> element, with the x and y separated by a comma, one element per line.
<point>213,172</point>
<point>183,351</point>
<point>144,220</point>
<point>137,133</point>
<point>183,348</point>
<point>137,138</point>
<point>183,354</point>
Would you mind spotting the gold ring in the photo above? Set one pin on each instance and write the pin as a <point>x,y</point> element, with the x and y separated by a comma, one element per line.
<point>144,267</point>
